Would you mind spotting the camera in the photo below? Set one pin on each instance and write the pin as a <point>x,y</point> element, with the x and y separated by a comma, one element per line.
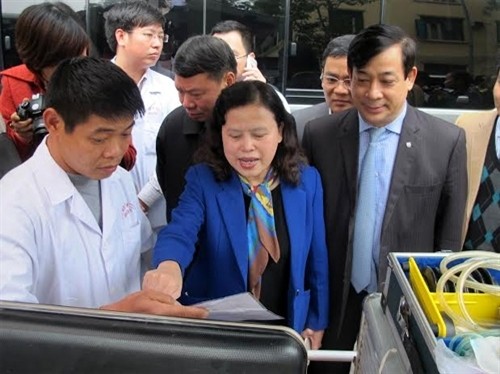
<point>33,109</point>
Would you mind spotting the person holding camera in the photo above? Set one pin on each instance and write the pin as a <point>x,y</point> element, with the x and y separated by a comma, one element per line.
<point>45,34</point>
<point>75,236</point>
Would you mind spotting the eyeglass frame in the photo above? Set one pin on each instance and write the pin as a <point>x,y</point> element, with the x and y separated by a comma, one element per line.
<point>346,83</point>
<point>150,35</point>
<point>238,57</point>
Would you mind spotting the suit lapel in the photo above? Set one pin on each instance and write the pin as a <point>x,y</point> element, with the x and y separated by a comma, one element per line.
<point>407,149</point>
<point>230,200</point>
<point>349,147</point>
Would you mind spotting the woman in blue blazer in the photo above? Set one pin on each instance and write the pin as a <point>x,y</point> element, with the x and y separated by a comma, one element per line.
<point>250,217</point>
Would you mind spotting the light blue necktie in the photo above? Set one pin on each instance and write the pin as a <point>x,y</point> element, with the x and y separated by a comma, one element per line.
<point>364,224</point>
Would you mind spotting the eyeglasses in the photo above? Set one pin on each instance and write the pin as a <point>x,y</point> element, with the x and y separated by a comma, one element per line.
<point>242,56</point>
<point>149,36</point>
<point>333,81</point>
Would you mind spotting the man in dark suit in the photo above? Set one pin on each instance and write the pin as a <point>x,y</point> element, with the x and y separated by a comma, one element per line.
<point>334,81</point>
<point>415,200</point>
<point>203,66</point>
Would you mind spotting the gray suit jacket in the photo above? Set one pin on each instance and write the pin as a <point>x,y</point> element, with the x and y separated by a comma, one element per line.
<point>305,115</point>
<point>427,196</point>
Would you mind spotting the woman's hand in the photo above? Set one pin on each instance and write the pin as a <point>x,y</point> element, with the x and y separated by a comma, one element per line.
<point>153,302</point>
<point>315,337</point>
<point>23,128</point>
<point>167,278</point>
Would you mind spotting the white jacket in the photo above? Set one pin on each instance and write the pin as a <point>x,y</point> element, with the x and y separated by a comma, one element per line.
<point>160,97</point>
<point>52,250</point>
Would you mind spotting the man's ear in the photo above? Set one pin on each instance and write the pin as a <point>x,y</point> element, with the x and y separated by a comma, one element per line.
<point>230,78</point>
<point>53,121</point>
<point>410,78</point>
<point>120,36</point>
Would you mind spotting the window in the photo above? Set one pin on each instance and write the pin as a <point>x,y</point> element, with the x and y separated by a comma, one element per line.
<point>438,1</point>
<point>290,36</point>
<point>440,28</point>
<point>313,23</point>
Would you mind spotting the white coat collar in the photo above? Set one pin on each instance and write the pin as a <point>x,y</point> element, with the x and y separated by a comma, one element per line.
<point>52,177</point>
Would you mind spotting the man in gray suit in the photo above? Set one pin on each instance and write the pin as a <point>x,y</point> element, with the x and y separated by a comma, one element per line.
<point>334,81</point>
<point>418,179</point>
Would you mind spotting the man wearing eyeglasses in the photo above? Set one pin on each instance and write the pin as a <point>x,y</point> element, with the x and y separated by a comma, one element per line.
<point>334,81</point>
<point>240,39</point>
<point>134,30</point>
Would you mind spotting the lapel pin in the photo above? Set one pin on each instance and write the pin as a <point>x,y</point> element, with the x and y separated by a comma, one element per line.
<point>408,144</point>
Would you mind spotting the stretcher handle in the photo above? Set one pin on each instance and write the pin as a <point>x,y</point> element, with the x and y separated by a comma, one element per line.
<point>334,356</point>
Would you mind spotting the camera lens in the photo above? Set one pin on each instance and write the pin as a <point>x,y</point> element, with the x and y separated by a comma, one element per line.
<point>39,128</point>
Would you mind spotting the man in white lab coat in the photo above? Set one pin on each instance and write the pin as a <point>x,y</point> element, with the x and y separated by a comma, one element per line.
<point>71,229</point>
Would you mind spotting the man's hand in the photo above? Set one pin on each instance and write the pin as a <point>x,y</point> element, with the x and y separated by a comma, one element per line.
<point>167,279</point>
<point>253,74</point>
<point>144,206</point>
<point>153,302</point>
<point>23,128</point>
<point>315,337</point>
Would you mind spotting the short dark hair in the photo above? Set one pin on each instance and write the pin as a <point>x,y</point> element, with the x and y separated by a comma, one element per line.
<point>85,86</point>
<point>204,54</point>
<point>337,47</point>
<point>288,159</point>
<point>374,40</point>
<point>224,27</point>
<point>48,33</point>
<point>127,16</point>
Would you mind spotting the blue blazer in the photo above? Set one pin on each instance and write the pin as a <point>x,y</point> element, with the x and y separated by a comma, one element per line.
<point>207,236</point>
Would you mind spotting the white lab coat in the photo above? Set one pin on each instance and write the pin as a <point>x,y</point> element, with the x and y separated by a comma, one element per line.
<point>52,250</point>
<point>160,97</point>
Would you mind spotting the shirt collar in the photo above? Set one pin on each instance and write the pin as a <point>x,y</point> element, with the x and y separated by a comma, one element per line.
<point>394,126</point>
<point>57,192</point>
<point>143,78</point>
<point>192,127</point>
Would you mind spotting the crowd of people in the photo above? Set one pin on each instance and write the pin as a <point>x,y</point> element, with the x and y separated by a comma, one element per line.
<point>458,89</point>
<point>150,194</point>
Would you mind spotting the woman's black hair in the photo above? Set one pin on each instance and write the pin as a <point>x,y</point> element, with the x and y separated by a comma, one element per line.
<point>289,157</point>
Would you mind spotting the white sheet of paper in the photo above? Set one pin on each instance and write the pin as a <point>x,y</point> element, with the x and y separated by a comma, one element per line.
<point>239,307</point>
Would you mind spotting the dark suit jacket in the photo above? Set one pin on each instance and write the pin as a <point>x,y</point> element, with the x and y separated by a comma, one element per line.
<point>178,139</point>
<point>426,201</point>
<point>213,214</point>
<point>308,114</point>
